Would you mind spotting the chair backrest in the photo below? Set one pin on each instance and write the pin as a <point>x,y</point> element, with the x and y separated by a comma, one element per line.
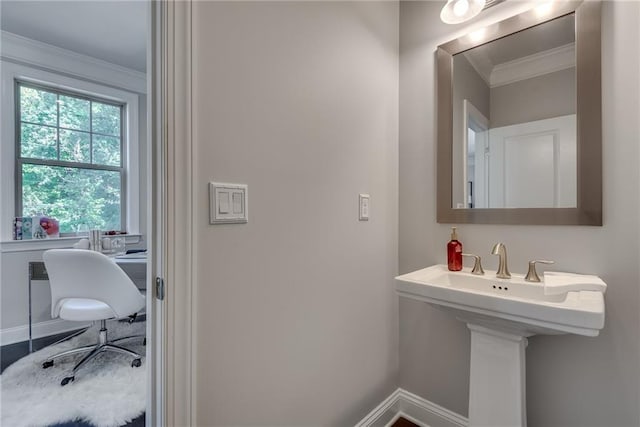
<point>79,273</point>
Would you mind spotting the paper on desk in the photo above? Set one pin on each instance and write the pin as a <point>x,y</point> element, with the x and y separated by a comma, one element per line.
<point>135,255</point>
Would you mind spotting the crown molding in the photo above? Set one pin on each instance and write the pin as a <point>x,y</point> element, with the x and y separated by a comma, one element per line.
<point>527,67</point>
<point>33,53</point>
<point>549,61</point>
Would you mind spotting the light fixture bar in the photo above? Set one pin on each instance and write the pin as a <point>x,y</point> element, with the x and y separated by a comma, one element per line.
<point>491,3</point>
<point>458,11</point>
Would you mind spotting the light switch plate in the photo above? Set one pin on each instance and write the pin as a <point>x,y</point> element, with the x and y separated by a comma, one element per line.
<point>364,203</point>
<point>228,203</point>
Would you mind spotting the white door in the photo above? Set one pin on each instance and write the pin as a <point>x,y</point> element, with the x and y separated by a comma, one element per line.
<point>481,178</point>
<point>533,165</point>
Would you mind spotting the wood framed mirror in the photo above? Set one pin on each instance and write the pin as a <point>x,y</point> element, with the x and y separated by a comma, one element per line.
<point>520,120</point>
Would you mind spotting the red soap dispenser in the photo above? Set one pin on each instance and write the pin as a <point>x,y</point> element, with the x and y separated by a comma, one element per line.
<point>454,252</point>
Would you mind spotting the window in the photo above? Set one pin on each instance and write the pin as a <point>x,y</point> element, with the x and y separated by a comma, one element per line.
<point>70,158</point>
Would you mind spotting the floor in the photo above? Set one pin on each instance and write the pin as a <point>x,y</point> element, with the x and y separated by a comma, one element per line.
<point>403,422</point>
<point>12,352</point>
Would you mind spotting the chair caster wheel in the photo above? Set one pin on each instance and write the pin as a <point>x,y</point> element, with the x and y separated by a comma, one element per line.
<point>67,380</point>
<point>144,341</point>
<point>47,364</point>
<point>136,363</point>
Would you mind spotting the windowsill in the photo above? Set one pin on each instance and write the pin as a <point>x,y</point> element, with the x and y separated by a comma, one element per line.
<point>58,243</point>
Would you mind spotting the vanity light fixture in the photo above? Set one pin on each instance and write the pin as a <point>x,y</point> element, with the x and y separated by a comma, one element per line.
<point>478,35</point>
<point>544,9</point>
<point>457,11</point>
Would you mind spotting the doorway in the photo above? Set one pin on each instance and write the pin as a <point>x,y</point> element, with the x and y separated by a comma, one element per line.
<point>60,59</point>
<point>475,171</point>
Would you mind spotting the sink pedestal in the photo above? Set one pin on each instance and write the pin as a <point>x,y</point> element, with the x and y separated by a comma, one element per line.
<point>497,382</point>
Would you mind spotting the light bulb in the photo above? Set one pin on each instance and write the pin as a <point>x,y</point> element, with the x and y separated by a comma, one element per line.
<point>460,7</point>
<point>478,35</point>
<point>544,9</point>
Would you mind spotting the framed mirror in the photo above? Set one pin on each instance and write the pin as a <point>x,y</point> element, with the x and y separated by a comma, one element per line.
<point>520,122</point>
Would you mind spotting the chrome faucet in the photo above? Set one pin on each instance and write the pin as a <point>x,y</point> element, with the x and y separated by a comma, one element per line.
<point>503,271</point>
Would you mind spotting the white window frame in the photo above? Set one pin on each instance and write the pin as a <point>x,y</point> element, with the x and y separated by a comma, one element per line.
<point>10,72</point>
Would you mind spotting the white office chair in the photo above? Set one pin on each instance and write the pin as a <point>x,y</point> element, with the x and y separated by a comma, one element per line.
<point>89,286</point>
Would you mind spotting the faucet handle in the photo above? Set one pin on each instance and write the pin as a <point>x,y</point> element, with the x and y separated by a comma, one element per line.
<point>477,264</point>
<point>532,274</point>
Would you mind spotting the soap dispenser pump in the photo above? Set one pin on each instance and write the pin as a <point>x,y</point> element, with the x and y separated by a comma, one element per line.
<point>454,252</point>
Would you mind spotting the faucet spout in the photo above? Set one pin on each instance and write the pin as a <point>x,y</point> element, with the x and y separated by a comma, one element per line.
<point>503,271</point>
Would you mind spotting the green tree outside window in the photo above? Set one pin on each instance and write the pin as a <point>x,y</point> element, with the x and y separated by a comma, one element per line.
<point>70,158</point>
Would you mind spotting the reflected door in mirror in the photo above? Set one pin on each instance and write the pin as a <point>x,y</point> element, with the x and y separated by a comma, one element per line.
<point>529,165</point>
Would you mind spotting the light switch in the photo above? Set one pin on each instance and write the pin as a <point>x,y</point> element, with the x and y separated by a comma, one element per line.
<point>237,202</point>
<point>223,202</point>
<point>227,203</point>
<point>364,207</point>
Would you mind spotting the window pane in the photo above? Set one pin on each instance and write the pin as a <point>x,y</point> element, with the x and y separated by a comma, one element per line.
<point>106,150</point>
<point>106,119</point>
<point>38,106</point>
<point>72,196</point>
<point>74,113</point>
<point>38,142</point>
<point>74,146</point>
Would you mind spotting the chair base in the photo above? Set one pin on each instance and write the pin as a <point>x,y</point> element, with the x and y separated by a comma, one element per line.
<point>103,345</point>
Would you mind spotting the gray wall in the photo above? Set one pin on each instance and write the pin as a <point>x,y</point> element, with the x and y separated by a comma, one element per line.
<point>467,85</point>
<point>571,380</point>
<point>538,98</point>
<point>297,314</point>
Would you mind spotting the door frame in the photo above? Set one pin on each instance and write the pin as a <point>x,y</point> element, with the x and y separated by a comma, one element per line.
<point>470,115</point>
<point>172,213</point>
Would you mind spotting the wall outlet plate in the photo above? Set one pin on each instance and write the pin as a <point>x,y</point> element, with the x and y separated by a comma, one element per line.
<point>228,203</point>
<point>365,205</point>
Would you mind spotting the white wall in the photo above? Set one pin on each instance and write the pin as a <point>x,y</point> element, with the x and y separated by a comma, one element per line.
<point>15,256</point>
<point>297,313</point>
<point>571,380</point>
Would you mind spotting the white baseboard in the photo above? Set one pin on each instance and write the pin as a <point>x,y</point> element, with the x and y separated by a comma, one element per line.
<point>39,330</point>
<point>383,414</point>
<point>422,412</point>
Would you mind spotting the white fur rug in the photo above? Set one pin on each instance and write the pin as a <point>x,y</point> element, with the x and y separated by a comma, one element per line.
<point>107,392</point>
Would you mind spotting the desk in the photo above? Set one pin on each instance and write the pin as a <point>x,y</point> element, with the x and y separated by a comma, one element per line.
<point>137,258</point>
<point>135,265</point>
<point>37,271</point>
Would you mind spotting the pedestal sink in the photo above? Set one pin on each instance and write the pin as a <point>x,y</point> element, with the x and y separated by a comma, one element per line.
<point>501,314</point>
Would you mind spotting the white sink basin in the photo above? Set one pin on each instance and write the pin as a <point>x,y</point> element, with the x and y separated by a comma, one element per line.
<point>511,305</point>
<point>501,314</point>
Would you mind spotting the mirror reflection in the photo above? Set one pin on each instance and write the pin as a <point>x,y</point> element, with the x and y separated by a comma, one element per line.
<point>514,120</point>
